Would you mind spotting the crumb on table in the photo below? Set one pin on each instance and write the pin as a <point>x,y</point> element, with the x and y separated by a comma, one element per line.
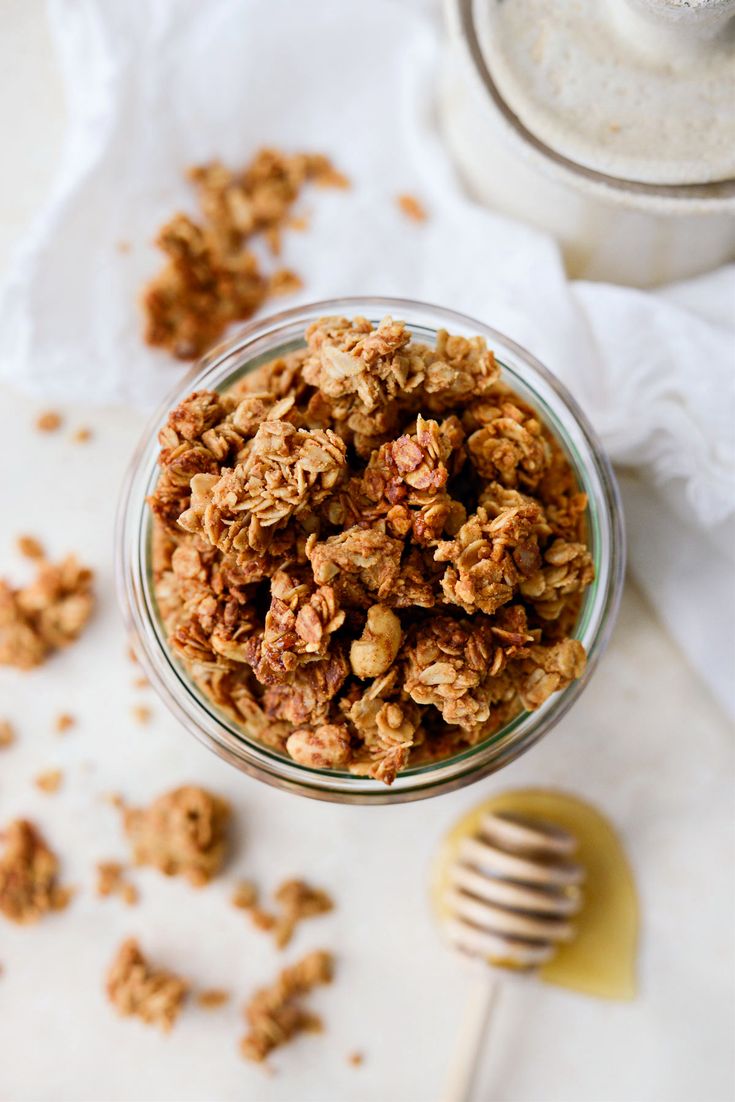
<point>48,614</point>
<point>212,276</point>
<point>111,880</point>
<point>29,885</point>
<point>82,435</point>
<point>412,208</point>
<point>295,901</point>
<point>49,421</point>
<point>7,733</point>
<point>136,988</point>
<point>212,997</point>
<point>245,895</point>
<point>64,722</point>
<point>183,832</point>
<point>141,714</point>
<point>276,1014</point>
<point>30,547</point>
<point>49,781</point>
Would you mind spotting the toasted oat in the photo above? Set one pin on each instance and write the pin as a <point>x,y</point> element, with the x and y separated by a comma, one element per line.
<point>48,614</point>
<point>294,901</point>
<point>284,282</point>
<point>82,435</point>
<point>7,733</point>
<point>412,208</point>
<point>297,900</point>
<point>49,421</point>
<point>183,832</point>
<point>135,987</point>
<point>276,1014</point>
<point>64,722</point>
<point>245,895</point>
<point>356,1059</point>
<point>30,547</point>
<point>29,886</point>
<point>49,781</point>
<point>212,276</point>
<point>212,998</point>
<point>371,553</point>
<point>111,881</point>
<point>141,714</point>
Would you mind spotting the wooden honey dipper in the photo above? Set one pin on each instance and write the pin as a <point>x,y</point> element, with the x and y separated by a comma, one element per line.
<point>508,898</point>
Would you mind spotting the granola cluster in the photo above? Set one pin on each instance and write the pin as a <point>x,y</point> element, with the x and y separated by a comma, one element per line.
<point>295,899</point>
<point>111,880</point>
<point>182,833</point>
<point>135,987</point>
<point>276,1014</point>
<point>46,615</point>
<point>29,885</point>
<point>370,552</point>
<point>212,276</point>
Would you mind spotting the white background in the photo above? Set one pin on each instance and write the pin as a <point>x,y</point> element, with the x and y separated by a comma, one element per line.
<point>646,743</point>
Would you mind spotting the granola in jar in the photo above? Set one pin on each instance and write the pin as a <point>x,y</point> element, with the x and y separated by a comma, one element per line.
<point>370,552</point>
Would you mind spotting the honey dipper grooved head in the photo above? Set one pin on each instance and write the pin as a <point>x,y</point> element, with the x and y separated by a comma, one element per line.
<point>512,891</point>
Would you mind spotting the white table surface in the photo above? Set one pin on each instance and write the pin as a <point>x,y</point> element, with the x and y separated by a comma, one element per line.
<point>646,743</point>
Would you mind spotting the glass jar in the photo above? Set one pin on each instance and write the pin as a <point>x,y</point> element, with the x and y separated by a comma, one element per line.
<point>259,342</point>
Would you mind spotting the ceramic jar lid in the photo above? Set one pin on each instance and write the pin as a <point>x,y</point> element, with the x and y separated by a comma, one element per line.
<point>640,90</point>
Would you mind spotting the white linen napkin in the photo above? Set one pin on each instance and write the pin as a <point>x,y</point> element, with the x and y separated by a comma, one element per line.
<point>155,87</point>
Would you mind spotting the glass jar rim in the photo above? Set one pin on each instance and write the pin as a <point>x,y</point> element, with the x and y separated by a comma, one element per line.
<point>264,339</point>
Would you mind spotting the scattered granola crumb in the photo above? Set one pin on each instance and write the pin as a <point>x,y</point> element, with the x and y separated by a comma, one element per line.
<point>212,276</point>
<point>28,875</point>
<point>48,614</point>
<point>81,435</point>
<point>114,799</point>
<point>111,881</point>
<point>140,683</point>
<point>135,987</point>
<point>123,246</point>
<point>412,208</point>
<point>49,781</point>
<point>284,282</point>
<point>30,548</point>
<point>64,722</point>
<point>212,998</point>
<point>7,733</point>
<point>132,656</point>
<point>298,222</point>
<point>356,1059</point>
<point>245,895</point>
<point>330,177</point>
<point>181,833</point>
<point>296,899</point>
<point>48,421</point>
<point>141,714</point>
<point>276,1014</point>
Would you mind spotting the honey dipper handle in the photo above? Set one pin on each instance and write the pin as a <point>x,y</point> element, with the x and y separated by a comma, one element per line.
<point>470,1042</point>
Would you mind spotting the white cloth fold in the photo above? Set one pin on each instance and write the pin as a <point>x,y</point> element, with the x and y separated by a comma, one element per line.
<point>153,88</point>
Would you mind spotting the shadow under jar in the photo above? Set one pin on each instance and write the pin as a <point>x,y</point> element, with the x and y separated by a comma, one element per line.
<point>259,343</point>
